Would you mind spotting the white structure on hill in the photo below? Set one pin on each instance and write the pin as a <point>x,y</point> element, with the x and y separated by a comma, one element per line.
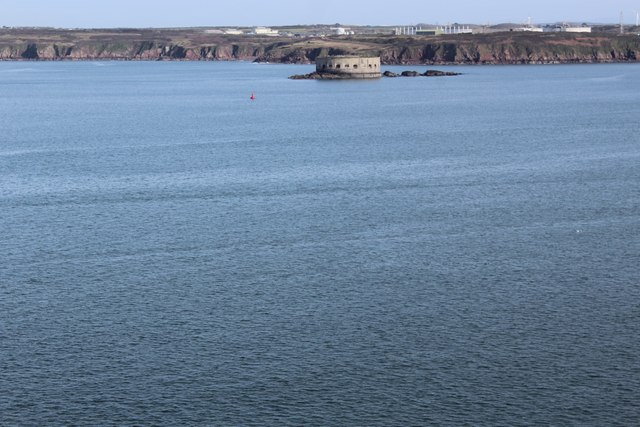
<point>341,31</point>
<point>445,29</point>
<point>264,31</point>
<point>566,28</point>
<point>529,27</point>
<point>584,29</point>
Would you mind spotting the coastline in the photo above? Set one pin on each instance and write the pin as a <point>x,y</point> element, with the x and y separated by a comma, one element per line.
<point>501,48</point>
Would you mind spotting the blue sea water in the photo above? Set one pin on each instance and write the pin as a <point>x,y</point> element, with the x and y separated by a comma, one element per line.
<point>410,251</point>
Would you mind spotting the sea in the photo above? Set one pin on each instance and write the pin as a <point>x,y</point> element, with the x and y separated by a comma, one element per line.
<point>396,252</point>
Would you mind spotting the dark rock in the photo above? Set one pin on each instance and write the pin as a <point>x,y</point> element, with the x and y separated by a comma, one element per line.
<point>310,76</point>
<point>410,74</point>
<point>389,74</point>
<point>438,73</point>
<point>320,76</point>
<point>31,52</point>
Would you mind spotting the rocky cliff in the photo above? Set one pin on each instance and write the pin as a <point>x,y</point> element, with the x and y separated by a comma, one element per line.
<point>510,48</point>
<point>149,50</point>
<point>497,48</point>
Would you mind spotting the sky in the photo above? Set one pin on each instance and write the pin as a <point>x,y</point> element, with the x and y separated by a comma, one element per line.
<point>191,13</point>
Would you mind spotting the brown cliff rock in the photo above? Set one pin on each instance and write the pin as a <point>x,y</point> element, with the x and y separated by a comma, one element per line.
<point>194,44</point>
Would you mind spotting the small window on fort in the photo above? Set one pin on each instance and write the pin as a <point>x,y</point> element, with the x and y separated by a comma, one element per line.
<point>355,65</point>
<point>346,65</point>
<point>337,65</point>
<point>369,65</point>
<point>324,66</point>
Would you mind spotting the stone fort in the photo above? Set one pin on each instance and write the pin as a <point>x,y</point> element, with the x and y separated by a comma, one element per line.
<point>350,66</point>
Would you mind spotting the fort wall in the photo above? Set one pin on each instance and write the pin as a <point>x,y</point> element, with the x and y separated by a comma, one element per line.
<point>356,67</point>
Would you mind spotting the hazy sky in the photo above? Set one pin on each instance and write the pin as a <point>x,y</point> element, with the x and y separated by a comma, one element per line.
<point>172,13</point>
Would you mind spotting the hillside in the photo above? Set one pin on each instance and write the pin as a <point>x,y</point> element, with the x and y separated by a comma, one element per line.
<point>197,44</point>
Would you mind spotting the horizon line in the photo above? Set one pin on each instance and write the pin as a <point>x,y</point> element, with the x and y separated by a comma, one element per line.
<point>306,25</point>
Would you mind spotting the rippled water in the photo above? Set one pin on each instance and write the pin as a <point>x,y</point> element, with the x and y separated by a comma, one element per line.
<point>411,251</point>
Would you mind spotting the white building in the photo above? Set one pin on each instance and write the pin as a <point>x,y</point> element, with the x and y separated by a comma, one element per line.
<point>576,29</point>
<point>566,28</point>
<point>530,29</point>
<point>264,31</point>
<point>445,29</point>
<point>340,31</point>
<point>456,29</point>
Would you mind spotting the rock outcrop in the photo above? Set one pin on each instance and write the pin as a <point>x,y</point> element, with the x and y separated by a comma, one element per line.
<point>329,76</point>
<point>321,76</point>
<point>438,73</point>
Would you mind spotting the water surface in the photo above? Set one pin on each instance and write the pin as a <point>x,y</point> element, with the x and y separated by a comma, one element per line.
<point>406,251</point>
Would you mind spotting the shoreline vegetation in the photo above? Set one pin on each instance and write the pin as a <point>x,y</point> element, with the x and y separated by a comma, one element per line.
<point>196,44</point>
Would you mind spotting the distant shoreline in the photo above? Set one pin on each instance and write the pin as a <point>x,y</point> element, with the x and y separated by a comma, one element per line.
<point>500,48</point>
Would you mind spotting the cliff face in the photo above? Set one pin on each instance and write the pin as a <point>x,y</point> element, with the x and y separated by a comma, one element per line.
<point>503,48</point>
<point>128,51</point>
<point>499,48</point>
<point>515,52</point>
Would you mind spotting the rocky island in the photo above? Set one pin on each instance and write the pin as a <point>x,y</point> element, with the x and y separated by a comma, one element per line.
<point>328,76</point>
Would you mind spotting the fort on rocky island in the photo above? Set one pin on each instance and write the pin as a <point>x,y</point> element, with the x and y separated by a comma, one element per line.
<point>344,67</point>
<point>350,66</point>
<point>358,67</point>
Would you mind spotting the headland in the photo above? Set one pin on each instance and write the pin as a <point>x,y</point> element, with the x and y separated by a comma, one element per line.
<point>198,44</point>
